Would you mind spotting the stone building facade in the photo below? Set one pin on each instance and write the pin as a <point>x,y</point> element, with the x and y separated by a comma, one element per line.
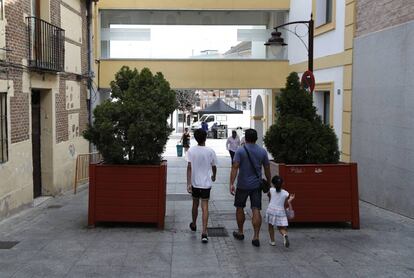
<point>383,103</point>
<point>44,94</point>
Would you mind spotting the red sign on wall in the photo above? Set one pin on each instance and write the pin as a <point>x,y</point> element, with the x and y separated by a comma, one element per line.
<point>308,81</point>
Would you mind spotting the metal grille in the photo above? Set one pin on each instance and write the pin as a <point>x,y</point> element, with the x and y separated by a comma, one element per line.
<point>46,45</point>
<point>3,128</point>
<point>217,232</point>
<point>8,244</point>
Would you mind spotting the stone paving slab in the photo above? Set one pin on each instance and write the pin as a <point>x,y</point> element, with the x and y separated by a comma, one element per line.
<point>54,241</point>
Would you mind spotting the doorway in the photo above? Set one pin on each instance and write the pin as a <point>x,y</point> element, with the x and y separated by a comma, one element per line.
<point>36,147</point>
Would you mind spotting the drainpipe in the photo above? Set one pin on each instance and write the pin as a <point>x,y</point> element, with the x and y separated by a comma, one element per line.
<point>90,60</point>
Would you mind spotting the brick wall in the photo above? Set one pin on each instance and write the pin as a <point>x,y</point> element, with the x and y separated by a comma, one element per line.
<point>17,41</point>
<point>61,112</point>
<point>375,15</point>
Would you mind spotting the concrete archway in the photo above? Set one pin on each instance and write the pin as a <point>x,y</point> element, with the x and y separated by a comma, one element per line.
<point>258,119</point>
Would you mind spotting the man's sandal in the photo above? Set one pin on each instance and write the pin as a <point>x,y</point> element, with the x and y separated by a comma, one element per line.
<point>238,236</point>
<point>256,242</point>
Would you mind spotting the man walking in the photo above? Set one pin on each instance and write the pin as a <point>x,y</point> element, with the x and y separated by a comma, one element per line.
<point>248,183</point>
<point>201,171</point>
<point>232,143</point>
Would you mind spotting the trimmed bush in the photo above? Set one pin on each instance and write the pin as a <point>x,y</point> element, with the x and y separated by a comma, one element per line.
<point>131,127</point>
<point>299,136</point>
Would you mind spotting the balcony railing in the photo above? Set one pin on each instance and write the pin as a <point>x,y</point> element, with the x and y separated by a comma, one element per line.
<point>46,45</point>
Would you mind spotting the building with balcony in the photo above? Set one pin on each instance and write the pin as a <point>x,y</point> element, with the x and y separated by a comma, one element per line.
<point>44,97</point>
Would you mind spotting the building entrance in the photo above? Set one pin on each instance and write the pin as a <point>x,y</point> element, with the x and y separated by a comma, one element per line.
<point>36,147</point>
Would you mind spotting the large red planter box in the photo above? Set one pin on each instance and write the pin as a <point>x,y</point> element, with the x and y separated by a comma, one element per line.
<point>324,192</point>
<point>127,193</point>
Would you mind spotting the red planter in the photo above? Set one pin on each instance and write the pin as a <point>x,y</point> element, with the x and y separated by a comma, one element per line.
<point>324,192</point>
<point>127,193</point>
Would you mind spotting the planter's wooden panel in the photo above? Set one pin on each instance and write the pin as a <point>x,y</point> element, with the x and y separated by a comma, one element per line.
<point>324,192</point>
<point>127,193</point>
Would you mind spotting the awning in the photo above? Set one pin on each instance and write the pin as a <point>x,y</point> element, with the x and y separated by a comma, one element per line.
<point>219,107</point>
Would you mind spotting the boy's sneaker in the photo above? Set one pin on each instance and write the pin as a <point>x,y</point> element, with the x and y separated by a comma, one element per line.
<point>204,238</point>
<point>193,227</point>
<point>273,243</point>
<point>286,241</point>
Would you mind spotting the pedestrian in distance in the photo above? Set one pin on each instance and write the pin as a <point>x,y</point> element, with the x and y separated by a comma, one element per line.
<point>248,162</point>
<point>232,144</point>
<point>201,172</point>
<point>276,214</point>
<point>185,139</point>
<point>214,129</point>
<point>204,126</point>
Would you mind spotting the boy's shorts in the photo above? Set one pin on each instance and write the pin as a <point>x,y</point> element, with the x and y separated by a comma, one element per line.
<point>200,193</point>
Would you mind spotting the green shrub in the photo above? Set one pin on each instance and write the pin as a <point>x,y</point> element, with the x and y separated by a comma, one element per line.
<point>299,136</point>
<point>131,127</point>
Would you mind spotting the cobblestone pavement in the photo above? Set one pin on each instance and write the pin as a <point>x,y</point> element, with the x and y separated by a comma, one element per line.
<point>54,241</point>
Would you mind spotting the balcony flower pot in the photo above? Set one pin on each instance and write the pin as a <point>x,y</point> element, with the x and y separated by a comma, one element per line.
<point>130,130</point>
<point>306,156</point>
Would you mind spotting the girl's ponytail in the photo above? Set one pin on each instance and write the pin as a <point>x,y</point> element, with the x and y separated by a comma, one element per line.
<point>277,182</point>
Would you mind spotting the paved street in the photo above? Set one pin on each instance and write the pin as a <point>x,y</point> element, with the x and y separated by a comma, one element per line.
<point>54,241</point>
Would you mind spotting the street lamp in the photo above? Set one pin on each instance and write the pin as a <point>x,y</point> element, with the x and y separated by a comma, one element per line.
<point>277,39</point>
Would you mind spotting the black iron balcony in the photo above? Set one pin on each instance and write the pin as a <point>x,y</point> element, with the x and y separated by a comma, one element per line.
<point>46,45</point>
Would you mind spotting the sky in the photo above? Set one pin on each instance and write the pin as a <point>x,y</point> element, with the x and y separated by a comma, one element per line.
<point>174,41</point>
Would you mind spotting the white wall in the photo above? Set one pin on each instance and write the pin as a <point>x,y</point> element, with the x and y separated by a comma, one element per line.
<point>325,44</point>
<point>334,75</point>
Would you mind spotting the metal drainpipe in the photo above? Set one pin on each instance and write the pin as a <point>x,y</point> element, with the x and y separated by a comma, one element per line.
<point>89,43</point>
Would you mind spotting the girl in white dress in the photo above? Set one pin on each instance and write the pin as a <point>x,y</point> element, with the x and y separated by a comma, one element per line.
<point>276,212</point>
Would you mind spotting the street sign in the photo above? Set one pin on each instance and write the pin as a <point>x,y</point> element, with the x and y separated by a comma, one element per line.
<point>308,81</point>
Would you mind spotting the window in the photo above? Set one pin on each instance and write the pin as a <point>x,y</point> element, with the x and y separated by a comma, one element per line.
<point>210,119</point>
<point>203,118</point>
<point>324,12</point>
<point>323,104</point>
<point>221,118</point>
<point>3,128</point>
<point>180,117</point>
<point>326,108</point>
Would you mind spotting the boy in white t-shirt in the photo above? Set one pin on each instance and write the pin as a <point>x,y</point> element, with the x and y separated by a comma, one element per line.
<point>201,171</point>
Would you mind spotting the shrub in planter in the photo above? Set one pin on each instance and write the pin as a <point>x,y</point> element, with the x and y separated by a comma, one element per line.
<point>307,153</point>
<point>131,127</point>
<point>130,130</point>
<point>299,136</point>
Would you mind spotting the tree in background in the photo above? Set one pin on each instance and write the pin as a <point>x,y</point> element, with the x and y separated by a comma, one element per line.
<point>186,99</point>
<point>299,136</point>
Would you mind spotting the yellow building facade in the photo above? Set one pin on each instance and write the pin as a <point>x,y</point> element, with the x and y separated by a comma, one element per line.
<point>43,98</point>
